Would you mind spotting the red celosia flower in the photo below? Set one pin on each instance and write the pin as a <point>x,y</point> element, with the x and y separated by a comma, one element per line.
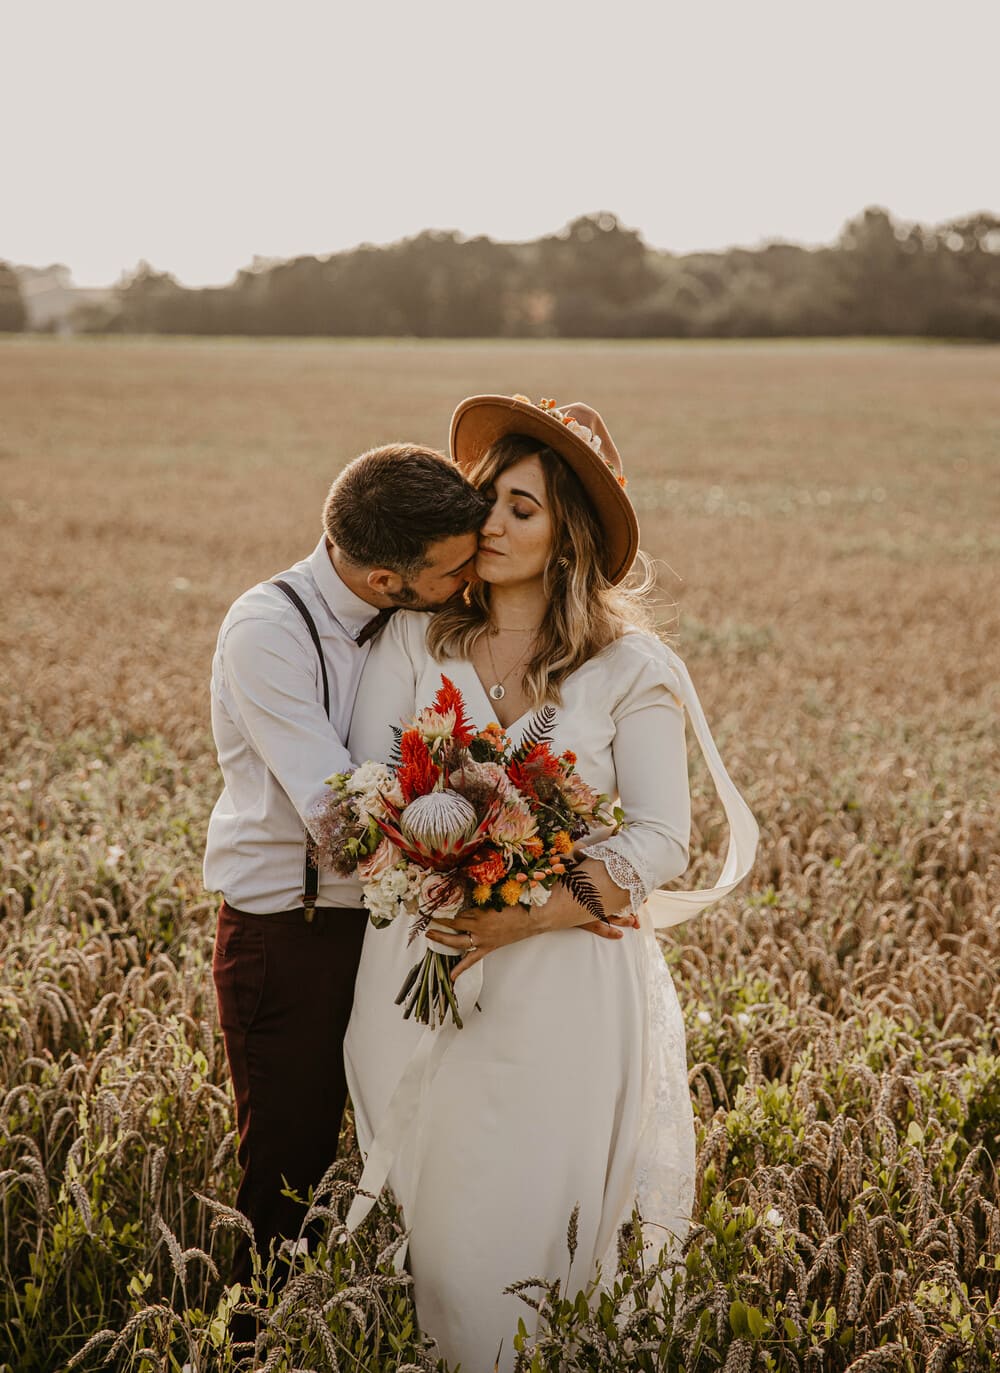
<point>450,698</point>
<point>418,771</point>
<point>540,758</point>
<point>523,780</point>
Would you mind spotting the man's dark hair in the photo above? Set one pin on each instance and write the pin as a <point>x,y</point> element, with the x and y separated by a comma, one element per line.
<point>388,506</point>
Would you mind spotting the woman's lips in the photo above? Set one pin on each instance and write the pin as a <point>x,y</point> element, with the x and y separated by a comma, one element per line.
<point>494,551</point>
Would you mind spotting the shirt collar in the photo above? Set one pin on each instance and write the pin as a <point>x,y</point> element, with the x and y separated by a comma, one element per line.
<point>349,609</point>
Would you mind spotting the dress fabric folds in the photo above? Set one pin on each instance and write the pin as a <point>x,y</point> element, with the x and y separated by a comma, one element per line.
<point>569,1087</point>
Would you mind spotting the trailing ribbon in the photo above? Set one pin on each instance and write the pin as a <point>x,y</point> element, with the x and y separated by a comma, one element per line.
<point>674,907</point>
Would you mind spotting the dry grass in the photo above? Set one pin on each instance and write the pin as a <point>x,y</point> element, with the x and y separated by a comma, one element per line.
<point>827,521</point>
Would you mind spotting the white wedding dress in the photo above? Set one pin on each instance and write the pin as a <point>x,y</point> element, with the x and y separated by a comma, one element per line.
<point>569,1087</point>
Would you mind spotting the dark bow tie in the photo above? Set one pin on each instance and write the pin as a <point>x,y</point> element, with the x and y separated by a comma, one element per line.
<point>375,624</point>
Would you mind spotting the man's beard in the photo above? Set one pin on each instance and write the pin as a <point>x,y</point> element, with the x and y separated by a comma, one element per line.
<point>408,599</point>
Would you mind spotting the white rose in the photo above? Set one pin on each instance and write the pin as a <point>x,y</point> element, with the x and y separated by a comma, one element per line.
<point>583,432</point>
<point>395,883</point>
<point>369,777</point>
<point>534,896</point>
<point>367,785</point>
<point>382,908</point>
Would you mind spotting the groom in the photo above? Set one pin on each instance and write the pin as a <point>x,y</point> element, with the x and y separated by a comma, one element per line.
<point>399,529</point>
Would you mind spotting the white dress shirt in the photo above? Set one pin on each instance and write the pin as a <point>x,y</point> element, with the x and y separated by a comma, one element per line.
<point>275,743</point>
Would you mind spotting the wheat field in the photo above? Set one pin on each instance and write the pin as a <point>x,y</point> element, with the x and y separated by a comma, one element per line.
<point>826,522</point>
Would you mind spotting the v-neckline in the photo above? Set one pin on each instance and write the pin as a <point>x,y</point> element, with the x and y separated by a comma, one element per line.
<point>490,713</point>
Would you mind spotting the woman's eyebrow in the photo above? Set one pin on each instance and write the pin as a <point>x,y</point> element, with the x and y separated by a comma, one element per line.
<point>515,492</point>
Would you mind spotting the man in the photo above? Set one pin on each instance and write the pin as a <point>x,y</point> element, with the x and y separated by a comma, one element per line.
<point>400,528</point>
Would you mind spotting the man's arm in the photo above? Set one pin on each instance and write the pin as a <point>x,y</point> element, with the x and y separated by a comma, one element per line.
<point>271,677</point>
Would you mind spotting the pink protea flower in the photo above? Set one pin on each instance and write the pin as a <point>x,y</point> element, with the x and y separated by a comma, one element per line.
<point>480,782</point>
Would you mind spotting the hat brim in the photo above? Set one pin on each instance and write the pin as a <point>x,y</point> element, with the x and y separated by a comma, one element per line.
<point>480,421</point>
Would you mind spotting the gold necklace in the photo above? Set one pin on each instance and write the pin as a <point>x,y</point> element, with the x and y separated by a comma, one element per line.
<point>498,691</point>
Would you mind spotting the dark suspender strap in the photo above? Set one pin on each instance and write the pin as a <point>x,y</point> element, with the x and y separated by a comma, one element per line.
<point>310,880</point>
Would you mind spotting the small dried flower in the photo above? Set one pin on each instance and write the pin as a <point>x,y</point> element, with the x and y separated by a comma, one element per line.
<point>510,892</point>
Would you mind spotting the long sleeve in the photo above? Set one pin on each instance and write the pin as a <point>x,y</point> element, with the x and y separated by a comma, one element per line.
<point>650,757</point>
<point>270,677</point>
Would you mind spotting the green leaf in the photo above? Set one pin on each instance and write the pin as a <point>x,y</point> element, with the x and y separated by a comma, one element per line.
<point>738,1318</point>
<point>757,1322</point>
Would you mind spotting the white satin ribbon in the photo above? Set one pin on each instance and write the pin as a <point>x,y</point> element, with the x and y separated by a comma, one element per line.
<point>674,907</point>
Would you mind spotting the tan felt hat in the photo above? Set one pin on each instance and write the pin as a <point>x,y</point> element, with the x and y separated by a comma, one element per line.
<point>578,434</point>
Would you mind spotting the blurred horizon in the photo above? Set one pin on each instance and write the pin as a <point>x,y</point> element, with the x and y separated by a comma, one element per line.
<point>262,262</point>
<point>593,278</point>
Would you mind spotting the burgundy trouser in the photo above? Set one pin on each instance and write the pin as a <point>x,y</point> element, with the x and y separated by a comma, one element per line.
<point>285,988</point>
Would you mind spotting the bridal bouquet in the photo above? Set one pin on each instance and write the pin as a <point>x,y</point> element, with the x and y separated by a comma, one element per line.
<point>457,819</point>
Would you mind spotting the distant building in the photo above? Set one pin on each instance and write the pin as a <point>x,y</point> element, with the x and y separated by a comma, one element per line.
<point>52,301</point>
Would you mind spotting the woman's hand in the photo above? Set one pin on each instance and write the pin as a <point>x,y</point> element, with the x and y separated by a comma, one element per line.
<point>477,931</point>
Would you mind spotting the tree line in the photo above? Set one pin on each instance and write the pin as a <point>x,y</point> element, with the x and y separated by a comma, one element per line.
<point>596,278</point>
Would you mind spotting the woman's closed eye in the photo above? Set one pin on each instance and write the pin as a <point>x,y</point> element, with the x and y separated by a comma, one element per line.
<point>519,509</point>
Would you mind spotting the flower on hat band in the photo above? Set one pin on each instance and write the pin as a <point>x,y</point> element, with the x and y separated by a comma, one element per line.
<point>580,430</point>
<point>574,426</point>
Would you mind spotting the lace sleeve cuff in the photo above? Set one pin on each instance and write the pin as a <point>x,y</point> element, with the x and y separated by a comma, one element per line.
<point>622,873</point>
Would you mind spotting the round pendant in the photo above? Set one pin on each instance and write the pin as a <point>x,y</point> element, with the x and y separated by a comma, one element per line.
<point>496,692</point>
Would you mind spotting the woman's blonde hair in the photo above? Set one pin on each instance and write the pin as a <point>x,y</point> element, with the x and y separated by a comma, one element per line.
<point>586,613</point>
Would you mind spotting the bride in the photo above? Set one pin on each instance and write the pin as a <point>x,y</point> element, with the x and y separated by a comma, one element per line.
<point>568,1086</point>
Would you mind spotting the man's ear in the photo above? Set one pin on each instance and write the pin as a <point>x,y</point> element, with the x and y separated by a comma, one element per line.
<point>384,582</point>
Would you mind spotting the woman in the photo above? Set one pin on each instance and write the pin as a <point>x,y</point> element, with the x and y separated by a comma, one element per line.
<point>569,1086</point>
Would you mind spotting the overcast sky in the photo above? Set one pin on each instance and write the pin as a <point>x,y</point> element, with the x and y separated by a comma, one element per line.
<point>198,133</point>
